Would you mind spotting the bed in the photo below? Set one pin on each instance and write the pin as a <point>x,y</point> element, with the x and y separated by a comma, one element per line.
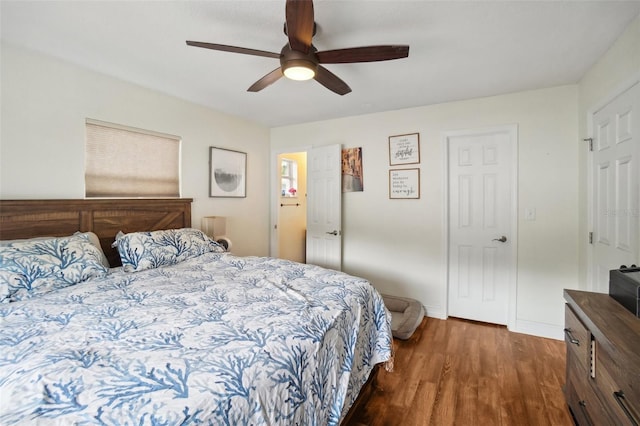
<point>189,335</point>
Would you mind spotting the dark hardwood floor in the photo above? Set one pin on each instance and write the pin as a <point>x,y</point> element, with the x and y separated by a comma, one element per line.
<point>459,372</point>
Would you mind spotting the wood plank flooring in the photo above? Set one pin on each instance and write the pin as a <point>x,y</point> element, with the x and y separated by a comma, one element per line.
<point>459,372</point>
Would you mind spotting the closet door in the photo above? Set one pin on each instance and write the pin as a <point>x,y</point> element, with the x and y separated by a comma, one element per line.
<point>615,188</point>
<point>481,223</point>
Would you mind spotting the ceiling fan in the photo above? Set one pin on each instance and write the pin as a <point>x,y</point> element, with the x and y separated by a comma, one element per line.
<point>299,58</point>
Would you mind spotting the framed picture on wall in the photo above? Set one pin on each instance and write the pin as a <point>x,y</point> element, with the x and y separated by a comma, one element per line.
<point>404,183</point>
<point>352,180</point>
<point>404,149</point>
<point>227,173</point>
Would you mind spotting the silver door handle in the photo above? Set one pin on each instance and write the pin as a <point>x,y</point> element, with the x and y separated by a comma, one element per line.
<point>502,239</point>
<point>334,232</point>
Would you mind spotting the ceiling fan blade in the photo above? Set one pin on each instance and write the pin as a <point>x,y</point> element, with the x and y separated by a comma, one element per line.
<point>233,49</point>
<point>331,81</point>
<point>265,81</point>
<point>299,19</point>
<point>363,54</point>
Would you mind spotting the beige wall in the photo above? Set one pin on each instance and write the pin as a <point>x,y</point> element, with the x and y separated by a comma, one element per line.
<point>615,71</point>
<point>44,106</point>
<point>399,244</point>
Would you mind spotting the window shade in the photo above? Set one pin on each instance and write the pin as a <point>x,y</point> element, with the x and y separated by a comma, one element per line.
<point>127,162</point>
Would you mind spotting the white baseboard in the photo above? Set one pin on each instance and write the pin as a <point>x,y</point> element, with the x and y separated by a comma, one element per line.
<point>435,312</point>
<point>534,328</point>
<point>550,331</point>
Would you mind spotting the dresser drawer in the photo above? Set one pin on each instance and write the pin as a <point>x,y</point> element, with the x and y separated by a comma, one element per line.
<point>585,405</point>
<point>608,393</point>
<point>618,386</point>
<point>576,405</point>
<point>577,337</point>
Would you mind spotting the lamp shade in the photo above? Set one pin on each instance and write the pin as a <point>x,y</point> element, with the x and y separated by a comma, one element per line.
<point>214,226</point>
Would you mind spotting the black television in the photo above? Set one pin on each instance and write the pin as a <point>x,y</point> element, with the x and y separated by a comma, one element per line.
<point>624,286</point>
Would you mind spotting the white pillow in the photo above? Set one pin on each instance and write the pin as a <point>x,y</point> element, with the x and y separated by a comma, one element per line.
<point>147,250</point>
<point>93,239</point>
<point>37,266</point>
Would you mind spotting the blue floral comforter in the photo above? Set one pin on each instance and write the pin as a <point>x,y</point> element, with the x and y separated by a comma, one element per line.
<point>217,339</point>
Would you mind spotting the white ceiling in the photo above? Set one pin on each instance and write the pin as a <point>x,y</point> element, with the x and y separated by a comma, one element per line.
<point>458,49</point>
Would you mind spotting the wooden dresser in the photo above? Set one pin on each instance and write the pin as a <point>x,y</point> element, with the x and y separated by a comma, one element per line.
<point>603,360</point>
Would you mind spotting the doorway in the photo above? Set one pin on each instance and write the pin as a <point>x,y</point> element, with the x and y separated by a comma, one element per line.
<point>306,222</point>
<point>291,222</point>
<point>481,188</point>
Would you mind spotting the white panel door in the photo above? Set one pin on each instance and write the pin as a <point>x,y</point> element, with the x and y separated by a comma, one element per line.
<point>324,207</point>
<point>616,188</point>
<point>481,205</point>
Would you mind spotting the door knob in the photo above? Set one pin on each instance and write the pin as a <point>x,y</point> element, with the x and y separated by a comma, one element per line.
<point>502,239</point>
<point>334,232</point>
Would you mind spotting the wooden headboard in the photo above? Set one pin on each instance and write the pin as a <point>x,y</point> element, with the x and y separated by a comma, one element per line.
<point>105,217</point>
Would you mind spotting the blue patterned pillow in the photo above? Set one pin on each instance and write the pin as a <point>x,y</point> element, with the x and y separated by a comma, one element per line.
<point>147,250</point>
<point>37,266</point>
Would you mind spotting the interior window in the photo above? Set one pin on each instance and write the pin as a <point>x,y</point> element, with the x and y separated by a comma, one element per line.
<point>289,178</point>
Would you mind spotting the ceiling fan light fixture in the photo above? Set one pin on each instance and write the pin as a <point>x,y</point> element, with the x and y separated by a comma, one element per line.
<point>299,73</point>
<point>299,70</point>
<point>299,58</point>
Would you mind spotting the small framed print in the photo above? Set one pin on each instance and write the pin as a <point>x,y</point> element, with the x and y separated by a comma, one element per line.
<point>352,170</point>
<point>404,149</point>
<point>227,173</point>
<point>404,183</point>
